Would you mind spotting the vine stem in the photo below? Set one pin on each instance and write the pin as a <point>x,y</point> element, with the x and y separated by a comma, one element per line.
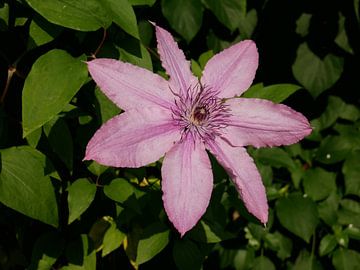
<point>100,45</point>
<point>11,72</point>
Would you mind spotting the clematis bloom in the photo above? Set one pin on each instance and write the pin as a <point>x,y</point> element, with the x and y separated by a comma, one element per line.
<point>183,117</point>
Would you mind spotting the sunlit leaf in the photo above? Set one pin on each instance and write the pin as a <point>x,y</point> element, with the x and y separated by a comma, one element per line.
<point>123,15</point>
<point>276,93</point>
<point>154,240</point>
<point>53,80</point>
<point>83,15</point>
<point>25,185</point>
<point>119,190</point>
<point>113,239</point>
<point>81,193</point>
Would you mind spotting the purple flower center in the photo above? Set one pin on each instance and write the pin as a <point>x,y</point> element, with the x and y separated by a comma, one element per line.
<point>200,112</point>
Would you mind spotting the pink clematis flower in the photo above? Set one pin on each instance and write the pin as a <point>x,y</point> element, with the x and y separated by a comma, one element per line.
<point>183,117</point>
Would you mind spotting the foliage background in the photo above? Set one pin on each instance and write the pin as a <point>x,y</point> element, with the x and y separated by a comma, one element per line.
<point>58,212</point>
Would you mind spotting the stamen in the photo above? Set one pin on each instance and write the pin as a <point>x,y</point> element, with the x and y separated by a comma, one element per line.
<point>200,112</point>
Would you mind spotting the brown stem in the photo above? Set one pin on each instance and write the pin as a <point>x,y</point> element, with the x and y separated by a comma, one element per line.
<point>11,72</point>
<point>153,52</point>
<point>100,45</point>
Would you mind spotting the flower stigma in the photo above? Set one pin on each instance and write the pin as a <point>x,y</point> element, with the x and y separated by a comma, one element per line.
<point>200,112</point>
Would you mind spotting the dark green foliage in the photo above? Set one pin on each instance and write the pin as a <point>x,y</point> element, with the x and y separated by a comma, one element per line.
<point>59,212</point>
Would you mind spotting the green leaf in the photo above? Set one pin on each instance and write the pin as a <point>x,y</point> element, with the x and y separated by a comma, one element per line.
<point>60,140</point>
<point>204,58</point>
<point>342,39</point>
<point>119,190</point>
<point>346,259</point>
<point>4,17</point>
<point>81,193</point>
<point>142,2</point>
<point>353,232</point>
<point>333,109</point>
<point>48,247</point>
<point>247,24</point>
<point>228,12</point>
<point>243,259</point>
<point>96,168</point>
<point>328,209</point>
<point>279,243</point>
<point>327,244</point>
<point>113,239</point>
<point>25,185</point>
<point>42,32</point>
<point>262,263</point>
<point>209,233</point>
<point>34,137</point>
<point>187,18</point>
<point>187,255</point>
<point>155,239</point>
<point>306,261</point>
<point>276,93</point>
<point>98,231</point>
<point>351,171</point>
<point>141,60</point>
<point>349,212</point>
<point>123,15</point>
<point>81,254</point>
<point>315,74</point>
<point>319,184</point>
<point>52,82</point>
<point>302,24</point>
<point>336,148</point>
<point>83,15</point>
<point>196,69</point>
<point>298,214</point>
<point>105,107</point>
<point>275,157</point>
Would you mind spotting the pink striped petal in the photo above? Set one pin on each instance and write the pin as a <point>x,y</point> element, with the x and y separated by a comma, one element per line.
<point>134,138</point>
<point>129,86</point>
<point>174,62</point>
<point>259,122</point>
<point>187,183</point>
<point>232,71</point>
<point>241,168</point>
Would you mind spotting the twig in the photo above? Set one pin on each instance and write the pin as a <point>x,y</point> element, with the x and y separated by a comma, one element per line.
<point>100,45</point>
<point>11,72</point>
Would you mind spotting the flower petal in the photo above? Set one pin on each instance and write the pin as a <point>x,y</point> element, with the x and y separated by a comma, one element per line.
<point>129,86</point>
<point>232,71</point>
<point>174,62</point>
<point>241,168</point>
<point>134,138</point>
<point>260,122</point>
<point>187,183</point>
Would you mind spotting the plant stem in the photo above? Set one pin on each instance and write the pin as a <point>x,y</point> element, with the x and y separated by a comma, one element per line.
<point>100,45</point>
<point>11,72</point>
